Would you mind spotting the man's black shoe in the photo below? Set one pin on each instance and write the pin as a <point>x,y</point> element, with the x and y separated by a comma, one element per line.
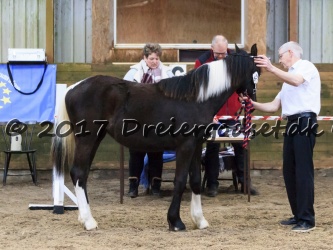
<point>211,191</point>
<point>303,227</point>
<point>290,221</point>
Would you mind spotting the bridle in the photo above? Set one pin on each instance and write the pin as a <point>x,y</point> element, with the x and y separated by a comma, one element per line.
<point>248,108</point>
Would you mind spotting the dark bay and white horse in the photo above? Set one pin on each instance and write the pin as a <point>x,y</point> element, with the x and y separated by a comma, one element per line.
<point>173,114</point>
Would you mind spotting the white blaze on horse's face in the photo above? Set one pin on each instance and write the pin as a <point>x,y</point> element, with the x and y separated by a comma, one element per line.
<point>152,61</point>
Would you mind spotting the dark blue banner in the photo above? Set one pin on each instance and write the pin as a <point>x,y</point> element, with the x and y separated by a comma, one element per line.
<point>17,102</point>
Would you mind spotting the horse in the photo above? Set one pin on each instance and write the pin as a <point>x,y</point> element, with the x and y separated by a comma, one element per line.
<point>173,114</point>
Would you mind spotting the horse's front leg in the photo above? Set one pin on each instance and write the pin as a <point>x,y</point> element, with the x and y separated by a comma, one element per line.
<point>184,153</point>
<point>195,182</point>
<point>174,220</point>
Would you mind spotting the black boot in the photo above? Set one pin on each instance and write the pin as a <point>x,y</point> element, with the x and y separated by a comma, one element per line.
<point>133,187</point>
<point>211,191</point>
<point>156,186</point>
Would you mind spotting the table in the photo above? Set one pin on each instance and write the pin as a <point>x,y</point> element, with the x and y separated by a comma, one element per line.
<point>247,180</point>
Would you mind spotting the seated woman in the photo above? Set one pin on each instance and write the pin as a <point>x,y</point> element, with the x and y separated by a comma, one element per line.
<point>149,70</point>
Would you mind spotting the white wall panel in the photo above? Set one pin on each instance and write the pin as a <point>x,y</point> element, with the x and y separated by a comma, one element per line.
<point>316,30</point>
<point>277,27</point>
<point>316,34</point>
<point>304,14</point>
<point>327,41</point>
<point>22,25</point>
<point>72,19</point>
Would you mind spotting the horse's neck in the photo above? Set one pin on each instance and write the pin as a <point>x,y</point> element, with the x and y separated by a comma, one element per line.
<point>216,103</point>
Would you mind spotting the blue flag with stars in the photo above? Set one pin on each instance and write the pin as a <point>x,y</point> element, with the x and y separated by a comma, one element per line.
<point>33,104</point>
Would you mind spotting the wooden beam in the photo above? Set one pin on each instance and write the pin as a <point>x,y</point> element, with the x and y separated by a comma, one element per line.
<point>256,25</point>
<point>102,17</point>
<point>49,31</point>
<point>293,21</point>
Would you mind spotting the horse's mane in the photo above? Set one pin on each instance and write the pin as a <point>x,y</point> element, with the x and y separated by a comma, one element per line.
<point>185,87</point>
<point>238,66</point>
<point>209,79</point>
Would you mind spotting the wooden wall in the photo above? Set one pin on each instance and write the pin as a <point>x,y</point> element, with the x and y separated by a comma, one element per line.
<point>266,152</point>
<point>255,25</point>
<point>77,31</point>
<point>174,21</point>
<point>276,27</point>
<point>316,30</point>
<point>102,30</point>
<point>72,31</point>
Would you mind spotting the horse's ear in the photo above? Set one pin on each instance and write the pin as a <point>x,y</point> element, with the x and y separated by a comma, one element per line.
<point>254,50</point>
<point>237,49</point>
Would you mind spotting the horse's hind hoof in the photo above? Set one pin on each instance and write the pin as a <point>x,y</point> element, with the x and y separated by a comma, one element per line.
<point>90,224</point>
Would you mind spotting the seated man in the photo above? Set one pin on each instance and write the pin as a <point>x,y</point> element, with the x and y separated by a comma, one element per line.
<point>219,51</point>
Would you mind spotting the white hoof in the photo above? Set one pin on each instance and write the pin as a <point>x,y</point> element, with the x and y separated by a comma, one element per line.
<point>203,224</point>
<point>200,222</point>
<point>197,217</point>
<point>91,224</point>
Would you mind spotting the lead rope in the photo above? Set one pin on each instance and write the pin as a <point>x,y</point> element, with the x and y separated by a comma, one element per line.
<point>247,106</point>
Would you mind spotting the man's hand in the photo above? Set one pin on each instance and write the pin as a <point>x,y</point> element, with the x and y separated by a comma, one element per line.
<point>242,98</point>
<point>263,61</point>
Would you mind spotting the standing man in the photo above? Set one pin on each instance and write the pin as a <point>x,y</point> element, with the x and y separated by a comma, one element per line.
<point>219,50</point>
<point>299,99</point>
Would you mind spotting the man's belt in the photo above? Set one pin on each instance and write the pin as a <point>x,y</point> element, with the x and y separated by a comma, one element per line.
<point>301,115</point>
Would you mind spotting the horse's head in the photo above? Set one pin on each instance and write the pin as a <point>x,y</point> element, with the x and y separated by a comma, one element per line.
<point>245,74</point>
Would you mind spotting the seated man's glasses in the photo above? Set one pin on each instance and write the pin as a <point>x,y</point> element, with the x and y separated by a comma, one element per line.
<point>217,54</point>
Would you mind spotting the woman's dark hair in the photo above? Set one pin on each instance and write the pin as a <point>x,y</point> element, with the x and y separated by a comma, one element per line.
<point>150,48</point>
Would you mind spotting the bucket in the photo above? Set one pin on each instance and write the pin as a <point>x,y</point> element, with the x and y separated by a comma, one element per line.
<point>16,142</point>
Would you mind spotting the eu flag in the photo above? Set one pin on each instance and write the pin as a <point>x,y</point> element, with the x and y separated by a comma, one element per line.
<point>25,101</point>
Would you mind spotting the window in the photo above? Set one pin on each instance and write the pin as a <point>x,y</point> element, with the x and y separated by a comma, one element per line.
<point>187,24</point>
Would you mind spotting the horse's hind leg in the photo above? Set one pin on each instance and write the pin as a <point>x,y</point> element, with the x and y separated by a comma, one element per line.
<point>84,154</point>
<point>85,216</point>
<point>195,183</point>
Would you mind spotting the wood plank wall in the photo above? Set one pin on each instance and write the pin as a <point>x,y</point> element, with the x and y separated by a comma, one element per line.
<point>22,25</point>
<point>174,21</point>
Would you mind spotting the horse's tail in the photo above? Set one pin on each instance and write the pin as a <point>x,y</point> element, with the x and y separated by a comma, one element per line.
<point>63,145</point>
